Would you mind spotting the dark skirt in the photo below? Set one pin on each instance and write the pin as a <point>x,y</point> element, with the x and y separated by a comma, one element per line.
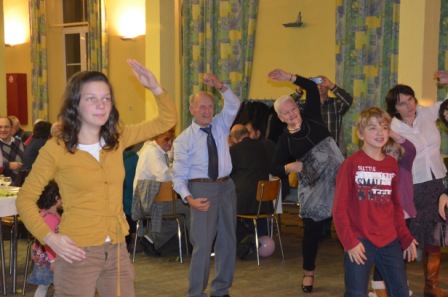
<point>426,200</point>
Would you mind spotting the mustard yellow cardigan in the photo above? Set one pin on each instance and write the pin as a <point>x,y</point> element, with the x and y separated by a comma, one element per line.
<point>91,191</point>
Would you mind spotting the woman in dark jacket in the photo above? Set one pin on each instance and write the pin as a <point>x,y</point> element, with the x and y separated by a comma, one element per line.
<point>41,133</point>
<point>306,147</point>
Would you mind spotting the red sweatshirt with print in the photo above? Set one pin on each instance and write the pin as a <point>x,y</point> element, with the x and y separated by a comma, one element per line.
<point>366,203</point>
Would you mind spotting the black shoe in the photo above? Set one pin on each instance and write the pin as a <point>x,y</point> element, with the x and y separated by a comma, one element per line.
<point>247,247</point>
<point>249,252</point>
<point>149,249</point>
<point>308,289</point>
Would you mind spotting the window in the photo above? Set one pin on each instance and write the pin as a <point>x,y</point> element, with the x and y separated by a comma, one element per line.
<point>75,36</point>
<point>74,11</point>
<point>75,42</point>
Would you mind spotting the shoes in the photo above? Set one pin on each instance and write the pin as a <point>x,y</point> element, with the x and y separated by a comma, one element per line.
<point>248,253</point>
<point>307,289</point>
<point>148,248</point>
<point>246,248</point>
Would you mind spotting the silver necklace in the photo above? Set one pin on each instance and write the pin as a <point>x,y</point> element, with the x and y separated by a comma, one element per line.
<point>296,129</point>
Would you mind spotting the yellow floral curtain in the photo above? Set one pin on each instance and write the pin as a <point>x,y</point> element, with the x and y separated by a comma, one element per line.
<point>443,64</point>
<point>366,55</point>
<point>98,55</point>
<point>218,37</point>
<point>38,45</point>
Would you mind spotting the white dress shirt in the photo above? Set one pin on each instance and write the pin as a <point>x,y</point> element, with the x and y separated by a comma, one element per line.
<point>426,138</point>
<point>190,148</point>
<point>151,164</point>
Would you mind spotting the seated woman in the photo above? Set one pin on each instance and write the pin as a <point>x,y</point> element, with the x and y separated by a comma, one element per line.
<point>41,133</point>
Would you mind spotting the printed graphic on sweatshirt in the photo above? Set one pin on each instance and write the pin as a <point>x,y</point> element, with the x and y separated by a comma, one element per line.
<point>374,186</point>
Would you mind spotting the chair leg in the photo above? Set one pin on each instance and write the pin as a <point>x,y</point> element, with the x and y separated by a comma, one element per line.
<point>256,242</point>
<point>137,226</point>
<point>11,250</point>
<point>269,226</point>
<point>2,252</point>
<point>179,238</point>
<point>279,237</point>
<point>187,252</point>
<point>27,262</point>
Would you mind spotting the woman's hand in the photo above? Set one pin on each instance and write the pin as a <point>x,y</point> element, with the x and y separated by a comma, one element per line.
<point>443,204</point>
<point>15,166</point>
<point>64,247</point>
<point>295,167</point>
<point>441,76</point>
<point>395,136</point>
<point>146,77</point>
<point>411,252</point>
<point>200,204</point>
<point>358,254</point>
<point>280,75</point>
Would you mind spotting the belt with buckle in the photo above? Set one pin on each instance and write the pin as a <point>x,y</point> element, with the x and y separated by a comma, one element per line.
<point>207,180</point>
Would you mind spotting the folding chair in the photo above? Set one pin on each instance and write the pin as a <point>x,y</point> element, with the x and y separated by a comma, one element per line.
<point>267,190</point>
<point>166,194</point>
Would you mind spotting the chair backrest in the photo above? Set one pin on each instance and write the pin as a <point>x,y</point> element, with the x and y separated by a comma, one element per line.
<point>268,190</point>
<point>165,193</point>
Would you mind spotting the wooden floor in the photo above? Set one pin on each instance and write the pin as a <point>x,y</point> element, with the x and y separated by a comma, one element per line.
<point>274,277</point>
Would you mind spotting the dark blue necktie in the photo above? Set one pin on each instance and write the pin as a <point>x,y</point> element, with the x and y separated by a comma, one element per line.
<point>212,154</point>
<point>167,160</point>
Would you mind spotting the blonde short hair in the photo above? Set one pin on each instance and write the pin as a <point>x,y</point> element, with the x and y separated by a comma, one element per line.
<point>372,112</point>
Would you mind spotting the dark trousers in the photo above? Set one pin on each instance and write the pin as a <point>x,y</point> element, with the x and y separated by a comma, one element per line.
<point>310,243</point>
<point>132,229</point>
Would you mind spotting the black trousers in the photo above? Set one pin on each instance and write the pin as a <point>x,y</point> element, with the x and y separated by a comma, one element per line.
<point>310,243</point>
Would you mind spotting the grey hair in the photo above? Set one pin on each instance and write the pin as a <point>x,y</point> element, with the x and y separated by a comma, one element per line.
<point>280,101</point>
<point>192,97</point>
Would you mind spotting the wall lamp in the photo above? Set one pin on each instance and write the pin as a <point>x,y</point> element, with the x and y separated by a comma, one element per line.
<point>132,23</point>
<point>16,31</point>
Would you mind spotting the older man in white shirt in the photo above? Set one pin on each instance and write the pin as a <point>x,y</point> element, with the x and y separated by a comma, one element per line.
<point>154,165</point>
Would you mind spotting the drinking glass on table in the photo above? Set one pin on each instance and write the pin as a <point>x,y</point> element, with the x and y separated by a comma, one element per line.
<point>7,181</point>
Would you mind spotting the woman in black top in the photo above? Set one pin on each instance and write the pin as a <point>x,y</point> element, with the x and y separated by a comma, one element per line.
<point>306,147</point>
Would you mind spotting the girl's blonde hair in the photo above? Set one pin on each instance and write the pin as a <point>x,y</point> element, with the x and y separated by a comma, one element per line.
<point>393,149</point>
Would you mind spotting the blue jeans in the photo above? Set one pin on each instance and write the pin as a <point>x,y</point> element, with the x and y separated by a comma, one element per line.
<point>388,260</point>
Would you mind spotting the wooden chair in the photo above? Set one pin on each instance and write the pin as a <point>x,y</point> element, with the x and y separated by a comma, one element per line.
<point>268,190</point>
<point>166,194</point>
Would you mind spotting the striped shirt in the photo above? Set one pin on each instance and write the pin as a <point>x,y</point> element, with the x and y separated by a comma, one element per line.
<point>332,110</point>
